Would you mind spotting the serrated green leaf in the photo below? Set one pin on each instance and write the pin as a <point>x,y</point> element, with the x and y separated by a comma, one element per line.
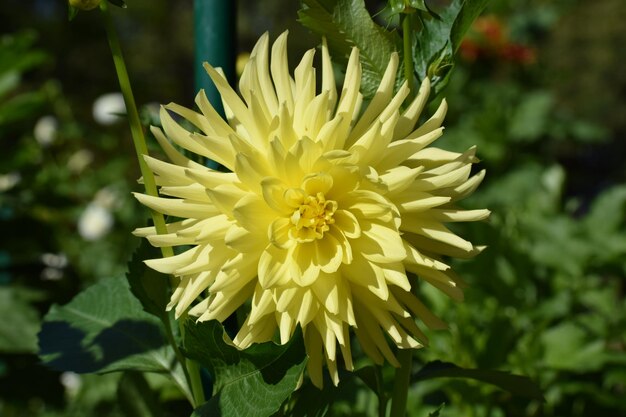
<point>515,384</point>
<point>104,329</point>
<point>468,12</point>
<point>149,286</point>
<point>437,41</point>
<point>252,382</point>
<point>347,24</point>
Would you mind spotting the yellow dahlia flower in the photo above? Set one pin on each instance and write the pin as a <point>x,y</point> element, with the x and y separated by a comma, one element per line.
<point>325,210</point>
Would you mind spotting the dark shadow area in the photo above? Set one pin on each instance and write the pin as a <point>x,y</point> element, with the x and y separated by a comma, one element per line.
<point>64,347</point>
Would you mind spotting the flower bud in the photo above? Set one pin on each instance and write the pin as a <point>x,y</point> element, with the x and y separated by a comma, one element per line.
<point>85,4</point>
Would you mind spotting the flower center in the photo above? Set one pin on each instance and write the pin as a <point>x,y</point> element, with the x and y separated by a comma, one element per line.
<point>313,218</point>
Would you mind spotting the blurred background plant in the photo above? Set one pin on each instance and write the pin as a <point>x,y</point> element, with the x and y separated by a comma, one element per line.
<point>539,88</point>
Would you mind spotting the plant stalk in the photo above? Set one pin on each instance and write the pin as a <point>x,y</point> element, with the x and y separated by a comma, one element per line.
<point>407,35</point>
<point>401,383</point>
<point>191,369</point>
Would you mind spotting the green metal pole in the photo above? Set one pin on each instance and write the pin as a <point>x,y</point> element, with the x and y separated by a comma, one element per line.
<point>215,43</point>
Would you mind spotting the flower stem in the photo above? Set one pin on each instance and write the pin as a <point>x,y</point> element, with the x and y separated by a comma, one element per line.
<point>192,372</point>
<point>407,34</point>
<point>401,383</point>
<point>136,129</point>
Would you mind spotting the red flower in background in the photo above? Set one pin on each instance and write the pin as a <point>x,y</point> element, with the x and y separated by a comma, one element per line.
<point>488,39</point>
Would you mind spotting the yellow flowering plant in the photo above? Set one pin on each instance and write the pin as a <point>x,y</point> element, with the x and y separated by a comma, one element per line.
<point>322,212</point>
<point>313,239</point>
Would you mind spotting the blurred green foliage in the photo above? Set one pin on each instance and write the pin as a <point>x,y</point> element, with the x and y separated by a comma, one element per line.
<point>539,88</point>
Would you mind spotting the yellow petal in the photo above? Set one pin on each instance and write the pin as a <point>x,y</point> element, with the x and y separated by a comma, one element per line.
<point>409,118</point>
<point>274,267</point>
<point>178,208</point>
<point>279,233</point>
<point>399,151</point>
<point>280,71</point>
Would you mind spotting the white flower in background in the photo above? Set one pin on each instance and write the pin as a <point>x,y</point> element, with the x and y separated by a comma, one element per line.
<point>72,382</point>
<point>108,107</point>
<point>45,130</point>
<point>55,263</point>
<point>95,222</point>
<point>80,160</point>
<point>10,180</point>
<point>107,198</point>
<point>54,260</point>
<point>51,274</point>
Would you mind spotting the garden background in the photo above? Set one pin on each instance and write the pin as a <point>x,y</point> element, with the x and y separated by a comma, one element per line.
<point>539,87</point>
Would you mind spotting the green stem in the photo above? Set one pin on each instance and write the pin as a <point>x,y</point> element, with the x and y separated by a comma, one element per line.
<point>401,383</point>
<point>407,34</point>
<point>136,129</point>
<point>380,392</point>
<point>191,368</point>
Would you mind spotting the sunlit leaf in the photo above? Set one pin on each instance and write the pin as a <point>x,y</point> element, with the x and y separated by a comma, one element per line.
<point>104,329</point>
<point>434,46</point>
<point>346,24</point>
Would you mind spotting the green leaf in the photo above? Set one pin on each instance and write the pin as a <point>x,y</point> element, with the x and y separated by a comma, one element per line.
<point>517,385</point>
<point>17,53</point>
<point>22,106</point>
<point>8,82</point>
<point>104,329</point>
<point>150,287</point>
<point>310,401</point>
<point>437,41</point>
<point>20,322</point>
<point>346,24</point>
<point>468,12</point>
<point>531,117</point>
<point>607,213</point>
<point>252,382</point>
<point>569,347</point>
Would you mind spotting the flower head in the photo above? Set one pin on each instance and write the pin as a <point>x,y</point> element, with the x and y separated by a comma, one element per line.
<point>325,211</point>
